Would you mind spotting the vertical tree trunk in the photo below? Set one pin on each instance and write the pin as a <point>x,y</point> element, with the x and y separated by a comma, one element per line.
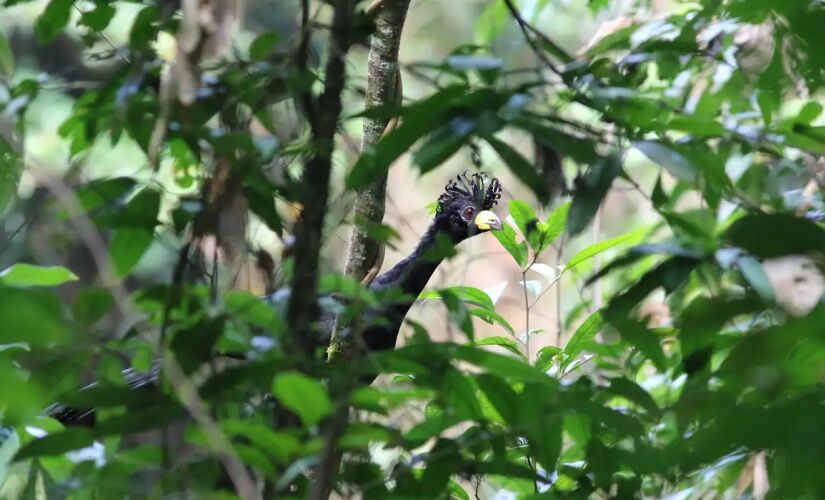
<point>383,87</point>
<point>303,307</point>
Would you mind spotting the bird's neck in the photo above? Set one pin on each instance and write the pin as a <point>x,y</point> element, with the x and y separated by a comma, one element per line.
<point>413,272</point>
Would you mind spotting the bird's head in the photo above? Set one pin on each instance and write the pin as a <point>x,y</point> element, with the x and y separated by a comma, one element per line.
<point>465,206</point>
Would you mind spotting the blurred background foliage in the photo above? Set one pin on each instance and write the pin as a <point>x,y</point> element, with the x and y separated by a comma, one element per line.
<point>648,323</point>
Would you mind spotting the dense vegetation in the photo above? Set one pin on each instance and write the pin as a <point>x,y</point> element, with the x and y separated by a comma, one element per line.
<point>686,357</point>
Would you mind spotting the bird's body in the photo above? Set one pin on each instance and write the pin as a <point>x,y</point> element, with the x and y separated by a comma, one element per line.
<point>463,211</point>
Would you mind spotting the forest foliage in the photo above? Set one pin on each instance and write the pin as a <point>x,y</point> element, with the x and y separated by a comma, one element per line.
<point>717,104</point>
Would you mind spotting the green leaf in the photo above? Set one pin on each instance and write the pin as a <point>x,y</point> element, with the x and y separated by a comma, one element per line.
<point>666,156</point>
<point>6,62</point>
<point>303,395</point>
<point>755,275</point>
<point>467,294</point>
<point>584,333</point>
<point>697,127</point>
<point>507,238</point>
<point>127,247</point>
<point>439,148</point>
<point>547,356</point>
<point>30,315</point>
<point>30,275</point>
<point>53,19</point>
<point>556,223</point>
<point>631,391</point>
<point>775,235</point>
<point>521,168</point>
<point>418,121</point>
<point>194,345</point>
<point>524,216</point>
<point>490,22</point>
<point>809,112</point>
<point>262,46</point>
<point>281,445</point>
<point>767,105</point>
<point>658,197</point>
<point>57,443</point>
<point>144,27</point>
<point>590,191</point>
<point>639,336</point>
<point>505,342</point>
<point>99,17</point>
<point>492,317</point>
<point>597,248</point>
<point>503,398</point>
<point>11,170</point>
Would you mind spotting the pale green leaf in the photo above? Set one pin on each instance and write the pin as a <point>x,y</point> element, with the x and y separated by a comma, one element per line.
<point>597,248</point>
<point>30,275</point>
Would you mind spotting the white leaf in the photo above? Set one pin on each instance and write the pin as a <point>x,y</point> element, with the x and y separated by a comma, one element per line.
<point>522,337</point>
<point>532,286</point>
<point>545,270</point>
<point>495,291</point>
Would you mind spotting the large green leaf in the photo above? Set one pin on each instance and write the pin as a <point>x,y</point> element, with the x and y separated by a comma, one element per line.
<point>775,235</point>
<point>127,248</point>
<point>584,333</point>
<point>507,238</point>
<point>22,274</point>
<point>673,161</point>
<point>418,121</point>
<point>32,316</point>
<point>521,168</point>
<point>590,191</point>
<point>467,294</point>
<point>60,442</point>
<point>303,395</point>
<point>504,342</point>
<point>53,19</point>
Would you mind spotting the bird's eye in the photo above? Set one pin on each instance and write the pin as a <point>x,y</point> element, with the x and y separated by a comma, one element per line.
<point>469,212</point>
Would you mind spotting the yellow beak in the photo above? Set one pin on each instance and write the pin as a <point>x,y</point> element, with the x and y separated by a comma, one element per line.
<point>487,220</point>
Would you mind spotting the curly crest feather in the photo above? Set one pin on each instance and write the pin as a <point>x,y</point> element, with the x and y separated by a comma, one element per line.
<point>475,187</point>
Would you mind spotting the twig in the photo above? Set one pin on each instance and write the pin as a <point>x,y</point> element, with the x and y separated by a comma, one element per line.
<point>559,321</point>
<point>528,32</point>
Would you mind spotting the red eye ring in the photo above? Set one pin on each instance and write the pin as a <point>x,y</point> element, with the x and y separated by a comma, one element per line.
<point>469,212</point>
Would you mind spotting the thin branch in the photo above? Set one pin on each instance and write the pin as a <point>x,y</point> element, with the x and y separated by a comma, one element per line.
<point>528,31</point>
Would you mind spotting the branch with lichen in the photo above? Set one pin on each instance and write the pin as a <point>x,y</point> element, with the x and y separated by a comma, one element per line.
<point>365,254</point>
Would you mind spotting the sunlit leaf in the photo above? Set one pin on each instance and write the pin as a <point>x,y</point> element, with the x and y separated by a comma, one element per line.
<point>506,343</point>
<point>597,248</point>
<point>507,238</point>
<point>30,275</point>
<point>584,333</point>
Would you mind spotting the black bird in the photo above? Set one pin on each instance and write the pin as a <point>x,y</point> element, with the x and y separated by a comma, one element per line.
<point>463,211</point>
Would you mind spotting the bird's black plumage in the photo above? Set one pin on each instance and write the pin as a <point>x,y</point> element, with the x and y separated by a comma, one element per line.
<point>463,211</point>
